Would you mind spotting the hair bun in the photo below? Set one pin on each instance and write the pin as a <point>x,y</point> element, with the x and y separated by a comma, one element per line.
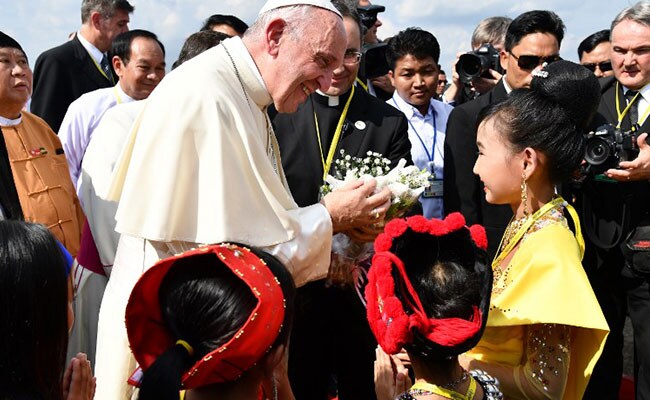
<point>565,82</point>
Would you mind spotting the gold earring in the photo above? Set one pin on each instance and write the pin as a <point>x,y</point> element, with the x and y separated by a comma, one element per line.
<point>524,194</point>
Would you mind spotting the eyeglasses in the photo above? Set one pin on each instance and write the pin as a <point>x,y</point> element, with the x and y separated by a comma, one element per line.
<point>351,57</point>
<point>531,62</point>
<point>442,82</point>
<point>603,66</point>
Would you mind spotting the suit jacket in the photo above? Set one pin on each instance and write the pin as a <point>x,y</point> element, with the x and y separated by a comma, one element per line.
<point>371,125</point>
<point>463,191</point>
<point>61,75</point>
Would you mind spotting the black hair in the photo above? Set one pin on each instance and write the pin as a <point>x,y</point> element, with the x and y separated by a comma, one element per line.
<point>451,276</point>
<point>219,19</point>
<point>552,116</point>
<point>205,306</point>
<point>348,10</point>
<point>197,43</point>
<point>538,21</point>
<point>414,41</point>
<point>593,40</point>
<point>33,311</point>
<point>441,71</point>
<point>121,46</point>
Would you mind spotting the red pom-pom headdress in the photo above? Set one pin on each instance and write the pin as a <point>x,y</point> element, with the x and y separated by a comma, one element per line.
<point>393,321</point>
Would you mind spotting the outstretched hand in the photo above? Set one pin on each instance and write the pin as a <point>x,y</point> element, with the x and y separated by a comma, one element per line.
<point>78,380</point>
<point>354,205</point>
<point>637,169</point>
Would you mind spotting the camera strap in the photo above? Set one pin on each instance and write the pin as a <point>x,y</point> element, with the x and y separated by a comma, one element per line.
<point>590,229</point>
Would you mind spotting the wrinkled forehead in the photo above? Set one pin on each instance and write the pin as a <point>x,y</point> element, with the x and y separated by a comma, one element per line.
<point>13,50</point>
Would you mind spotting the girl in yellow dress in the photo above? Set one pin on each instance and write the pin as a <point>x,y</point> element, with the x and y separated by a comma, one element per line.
<point>545,328</point>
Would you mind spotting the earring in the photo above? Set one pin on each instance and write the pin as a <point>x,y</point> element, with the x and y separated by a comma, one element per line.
<point>524,194</point>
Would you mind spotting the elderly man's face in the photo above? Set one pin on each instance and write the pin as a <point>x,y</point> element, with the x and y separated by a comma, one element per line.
<point>146,67</point>
<point>344,76</point>
<point>111,27</point>
<point>15,81</point>
<point>306,63</point>
<point>631,54</point>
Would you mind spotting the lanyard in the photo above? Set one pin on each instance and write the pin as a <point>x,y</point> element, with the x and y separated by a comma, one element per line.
<point>431,156</point>
<point>446,393</point>
<point>621,115</point>
<point>117,95</point>
<point>99,68</point>
<point>337,136</point>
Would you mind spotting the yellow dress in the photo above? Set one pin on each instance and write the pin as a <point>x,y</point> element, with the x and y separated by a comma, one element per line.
<point>544,316</point>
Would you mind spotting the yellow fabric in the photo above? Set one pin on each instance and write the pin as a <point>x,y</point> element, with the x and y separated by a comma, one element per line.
<point>546,284</point>
<point>43,183</point>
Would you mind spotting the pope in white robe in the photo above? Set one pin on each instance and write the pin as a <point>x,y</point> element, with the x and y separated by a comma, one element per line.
<point>201,165</point>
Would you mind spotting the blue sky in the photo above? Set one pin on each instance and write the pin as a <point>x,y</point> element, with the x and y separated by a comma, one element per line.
<point>41,24</point>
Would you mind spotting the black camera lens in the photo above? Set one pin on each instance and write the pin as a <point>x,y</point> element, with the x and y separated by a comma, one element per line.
<point>597,151</point>
<point>469,67</point>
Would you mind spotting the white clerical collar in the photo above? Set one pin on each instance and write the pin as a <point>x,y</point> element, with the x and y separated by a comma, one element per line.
<point>332,101</point>
<point>505,84</point>
<point>11,122</point>
<point>121,95</point>
<point>94,52</point>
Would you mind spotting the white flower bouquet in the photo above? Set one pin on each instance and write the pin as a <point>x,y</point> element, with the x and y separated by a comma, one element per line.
<point>406,184</point>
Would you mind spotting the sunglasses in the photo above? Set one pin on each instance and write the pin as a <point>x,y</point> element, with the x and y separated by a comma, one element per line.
<point>603,66</point>
<point>441,82</point>
<point>532,62</point>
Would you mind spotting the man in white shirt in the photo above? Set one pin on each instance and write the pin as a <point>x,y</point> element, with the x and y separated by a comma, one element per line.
<point>138,58</point>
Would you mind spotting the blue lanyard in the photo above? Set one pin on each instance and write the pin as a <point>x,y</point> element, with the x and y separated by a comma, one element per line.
<point>431,156</point>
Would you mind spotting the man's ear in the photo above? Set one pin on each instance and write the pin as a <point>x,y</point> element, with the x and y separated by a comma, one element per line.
<point>275,31</point>
<point>118,65</point>
<point>391,76</point>
<point>95,19</point>
<point>503,58</point>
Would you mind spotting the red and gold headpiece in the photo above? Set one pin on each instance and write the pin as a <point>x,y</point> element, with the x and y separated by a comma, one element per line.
<point>149,336</point>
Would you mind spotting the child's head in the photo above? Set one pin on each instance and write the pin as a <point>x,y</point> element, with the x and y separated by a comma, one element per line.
<point>413,56</point>
<point>536,132</point>
<point>208,316</point>
<point>429,287</point>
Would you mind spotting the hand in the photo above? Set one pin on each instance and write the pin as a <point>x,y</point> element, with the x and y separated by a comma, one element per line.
<point>366,234</point>
<point>483,85</point>
<point>383,83</point>
<point>391,377</point>
<point>78,380</point>
<point>354,205</point>
<point>404,358</point>
<point>455,86</point>
<point>637,169</point>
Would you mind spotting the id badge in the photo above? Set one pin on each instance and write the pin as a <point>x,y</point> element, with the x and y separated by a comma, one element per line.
<point>435,188</point>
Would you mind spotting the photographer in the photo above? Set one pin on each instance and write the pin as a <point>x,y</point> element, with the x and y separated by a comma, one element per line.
<point>532,39</point>
<point>616,208</point>
<point>490,31</point>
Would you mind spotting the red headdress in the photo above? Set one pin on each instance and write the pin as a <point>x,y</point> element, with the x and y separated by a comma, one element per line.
<point>149,336</point>
<point>393,321</point>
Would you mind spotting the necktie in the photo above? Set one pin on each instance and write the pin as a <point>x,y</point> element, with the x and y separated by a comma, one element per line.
<point>106,67</point>
<point>633,112</point>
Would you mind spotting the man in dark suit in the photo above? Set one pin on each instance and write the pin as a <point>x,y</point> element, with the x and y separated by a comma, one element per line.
<point>616,202</point>
<point>331,335</point>
<point>532,38</point>
<point>82,64</point>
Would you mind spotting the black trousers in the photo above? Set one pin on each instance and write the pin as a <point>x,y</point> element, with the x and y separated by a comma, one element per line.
<point>332,349</point>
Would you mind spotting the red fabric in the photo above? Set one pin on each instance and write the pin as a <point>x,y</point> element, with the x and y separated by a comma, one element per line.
<point>387,317</point>
<point>149,336</point>
<point>88,256</point>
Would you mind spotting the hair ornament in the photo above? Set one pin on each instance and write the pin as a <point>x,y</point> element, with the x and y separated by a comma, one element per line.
<point>392,320</point>
<point>540,72</point>
<point>186,346</point>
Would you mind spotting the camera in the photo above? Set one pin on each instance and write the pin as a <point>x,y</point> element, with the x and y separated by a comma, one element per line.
<point>373,62</point>
<point>477,63</point>
<point>607,146</point>
<point>369,13</point>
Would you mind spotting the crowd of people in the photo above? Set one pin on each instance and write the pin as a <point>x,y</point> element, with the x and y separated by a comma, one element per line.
<point>169,236</point>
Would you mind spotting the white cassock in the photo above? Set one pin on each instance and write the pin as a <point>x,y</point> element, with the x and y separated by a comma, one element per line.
<point>81,121</point>
<point>201,165</point>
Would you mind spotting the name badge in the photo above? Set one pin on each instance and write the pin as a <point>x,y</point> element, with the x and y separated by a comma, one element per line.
<point>434,190</point>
